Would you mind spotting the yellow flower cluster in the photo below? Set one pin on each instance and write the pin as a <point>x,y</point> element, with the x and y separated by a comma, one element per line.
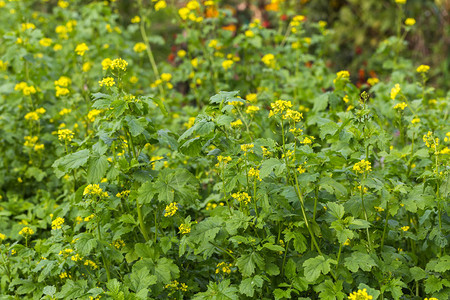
<point>65,111</point>
<point>90,263</point>
<point>410,21</point>
<point>92,114</point>
<point>26,231</point>
<point>57,223</point>
<point>136,19</point>
<point>360,295</point>
<point>395,90</point>
<point>293,115</point>
<point>188,12</point>
<point>432,298</point>
<point>123,194</point>
<point>378,209</point>
<point>362,166</point>
<point>94,190</point>
<point>227,64</point>
<point>118,244</point>
<point>372,81</point>
<point>236,123</point>
<point>296,21</point>
<point>415,120</point>
<point>430,141</point>
<point>251,97</point>
<point>279,106</point>
<point>211,206</point>
<point>31,142</point>
<point>400,1</point>
<point>107,81</point>
<point>81,49</point>
<point>2,237</point>
<point>301,169</point>
<point>64,275</point>
<point>223,160</point>
<point>247,148</point>
<point>175,286</point>
<point>242,197</point>
<point>171,209</point>
<point>252,109</point>
<point>65,252</point>
<point>404,228</point>
<point>76,257</point>
<point>223,268</point>
<point>65,135</point>
<point>34,115</point>
<point>401,106</point>
<point>26,89</point>
<point>254,173</point>
<point>269,60</point>
<point>45,42</point>
<point>184,228</point>
<point>341,75</point>
<point>307,140</point>
<point>61,86</point>
<point>265,151</point>
<point>422,69</point>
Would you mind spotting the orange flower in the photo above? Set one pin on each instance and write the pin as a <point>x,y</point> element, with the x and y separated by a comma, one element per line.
<point>272,7</point>
<point>230,27</point>
<point>211,12</point>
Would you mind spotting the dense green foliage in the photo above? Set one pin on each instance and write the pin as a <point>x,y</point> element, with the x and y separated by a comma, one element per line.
<point>237,166</point>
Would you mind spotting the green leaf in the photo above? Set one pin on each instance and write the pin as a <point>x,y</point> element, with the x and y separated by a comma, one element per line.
<point>136,125</point>
<point>70,162</point>
<point>237,220</point>
<point>417,273</point>
<point>359,260</point>
<point>175,185</point>
<point>204,232</point>
<point>315,266</point>
<point>222,96</point>
<point>146,192</point>
<point>321,102</point>
<point>85,242</point>
<point>299,240</point>
<point>330,291</point>
<point>72,289</point>
<point>441,264</point>
<point>269,165</point>
<point>97,168</point>
<point>160,105</point>
<point>49,290</point>
<point>370,291</point>
<point>329,128</point>
<point>335,209</point>
<point>220,291</point>
<point>141,280</point>
<point>247,263</point>
<point>247,286</point>
<point>166,270</point>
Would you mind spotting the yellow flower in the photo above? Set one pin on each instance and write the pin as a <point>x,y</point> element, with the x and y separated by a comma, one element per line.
<point>372,81</point>
<point>63,4</point>
<point>242,197</point>
<point>166,76</point>
<point>134,79</point>
<point>293,115</point>
<point>139,47</point>
<point>194,62</point>
<point>279,107</point>
<point>362,166</point>
<point>184,228</point>
<point>236,123</point>
<point>135,19</point>
<point>65,111</point>
<point>347,242</point>
<point>45,42</point>
<point>268,60</point>
<point>181,53</point>
<point>192,5</point>
<point>227,64</point>
<point>378,209</point>
<point>57,47</point>
<point>251,98</point>
<point>410,22</point>
<point>26,231</point>
<point>190,122</point>
<point>160,5</point>
<point>342,75</point>
<point>401,106</point>
<point>247,148</point>
<point>171,209</point>
<point>119,63</point>
<point>94,190</point>
<point>106,63</point>
<point>32,116</point>
<point>91,264</point>
<point>61,91</point>
<point>404,228</point>
<point>360,295</point>
<point>108,81</point>
<point>224,268</point>
<point>57,223</point>
<point>400,1</point>
<point>254,173</point>
<point>395,90</point>
<point>65,135</point>
<point>249,33</point>
<point>252,109</point>
<point>63,81</point>
<point>184,12</point>
<point>26,26</point>
<point>422,69</point>
<point>81,49</point>
<point>415,120</point>
<point>2,237</point>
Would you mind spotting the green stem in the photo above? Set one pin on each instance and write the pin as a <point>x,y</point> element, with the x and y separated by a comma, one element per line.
<point>361,192</point>
<point>141,221</point>
<point>338,256</point>
<point>105,263</point>
<point>385,227</point>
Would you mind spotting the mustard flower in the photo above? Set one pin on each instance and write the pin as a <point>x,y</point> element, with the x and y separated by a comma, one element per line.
<point>242,197</point>
<point>65,135</point>
<point>108,81</point>
<point>184,228</point>
<point>57,223</point>
<point>341,75</point>
<point>139,47</point>
<point>227,64</point>
<point>254,173</point>
<point>171,209</point>
<point>26,231</point>
<point>410,22</point>
<point>94,190</point>
<point>422,69</point>
<point>81,49</point>
<point>401,106</point>
<point>395,90</point>
<point>223,268</point>
<point>360,295</point>
<point>362,166</point>
<point>136,19</point>
<point>160,5</point>
<point>268,60</point>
